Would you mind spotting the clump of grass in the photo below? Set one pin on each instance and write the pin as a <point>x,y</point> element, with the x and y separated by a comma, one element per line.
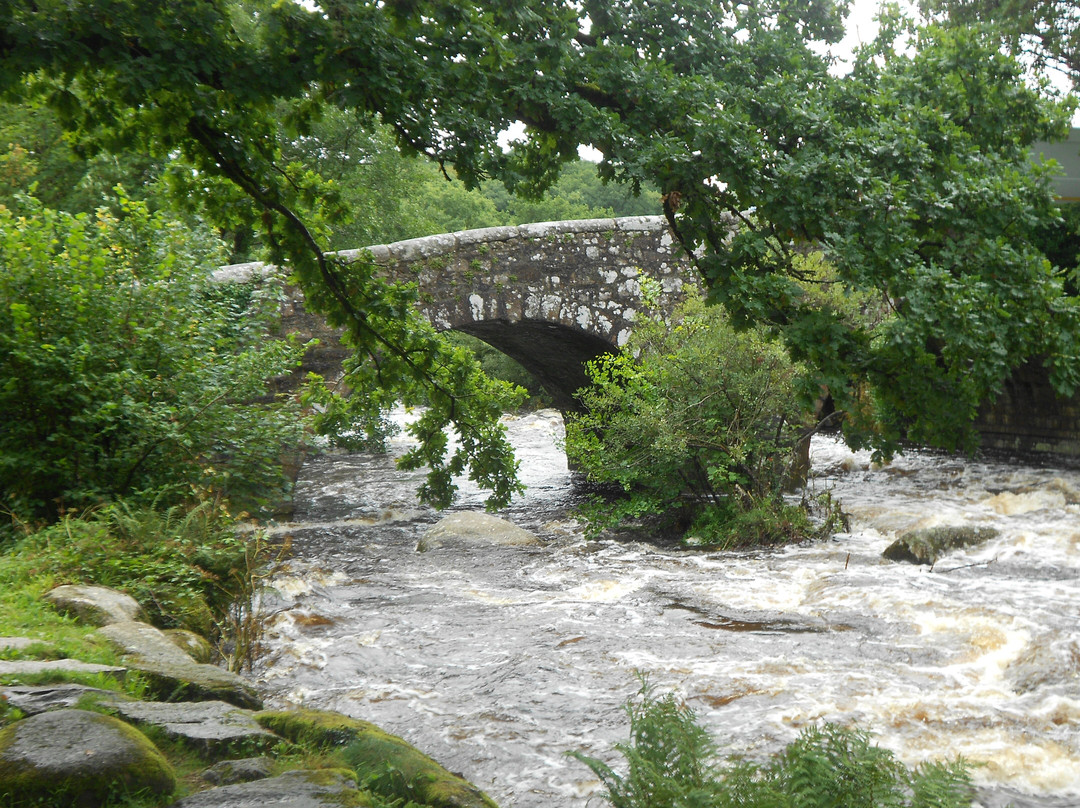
<point>187,567</point>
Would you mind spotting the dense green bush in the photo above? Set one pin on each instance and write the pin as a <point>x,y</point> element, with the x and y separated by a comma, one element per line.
<point>671,762</point>
<point>697,421</point>
<point>124,371</point>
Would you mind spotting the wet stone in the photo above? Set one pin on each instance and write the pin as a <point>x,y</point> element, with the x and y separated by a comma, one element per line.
<point>213,727</point>
<point>473,529</point>
<point>926,546</point>
<point>296,789</point>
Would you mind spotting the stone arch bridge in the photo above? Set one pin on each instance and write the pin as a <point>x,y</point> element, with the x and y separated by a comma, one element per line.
<point>555,295</point>
<point>550,296</point>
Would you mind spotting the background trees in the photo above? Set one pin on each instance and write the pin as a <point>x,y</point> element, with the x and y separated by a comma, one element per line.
<point>1046,32</point>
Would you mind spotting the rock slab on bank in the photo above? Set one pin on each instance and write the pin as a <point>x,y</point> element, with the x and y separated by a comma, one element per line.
<point>79,757</point>
<point>475,529</point>
<point>212,727</point>
<point>34,699</point>
<point>150,651</point>
<point>328,788</point>
<point>95,605</point>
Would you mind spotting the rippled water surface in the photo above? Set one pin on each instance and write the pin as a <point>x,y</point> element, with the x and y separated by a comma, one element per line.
<point>497,661</point>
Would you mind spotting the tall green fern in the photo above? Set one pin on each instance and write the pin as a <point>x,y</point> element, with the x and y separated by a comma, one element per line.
<point>671,762</point>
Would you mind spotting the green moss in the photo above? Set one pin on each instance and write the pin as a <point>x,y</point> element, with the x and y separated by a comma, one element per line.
<point>386,764</point>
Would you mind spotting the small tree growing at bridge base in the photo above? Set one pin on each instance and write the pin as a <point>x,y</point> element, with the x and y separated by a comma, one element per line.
<point>698,424</point>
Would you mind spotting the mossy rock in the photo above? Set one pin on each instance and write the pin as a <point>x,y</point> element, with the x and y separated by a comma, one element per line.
<point>194,645</point>
<point>78,758</point>
<point>927,545</point>
<point>177,608</point>
<point>386,764</point>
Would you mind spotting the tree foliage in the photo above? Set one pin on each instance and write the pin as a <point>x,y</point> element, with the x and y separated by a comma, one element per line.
<point>1044,32</point>
<point>695,419</point>
<point>911,173</point>
<point>124,371</point>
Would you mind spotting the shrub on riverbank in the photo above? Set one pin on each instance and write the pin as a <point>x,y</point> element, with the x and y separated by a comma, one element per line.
<point>701,424</point>
<point>186,568</point>
<point>126,372</point>
<point>671,762</point>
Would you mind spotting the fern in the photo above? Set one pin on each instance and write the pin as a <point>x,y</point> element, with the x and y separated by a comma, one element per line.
<point>671,762</point>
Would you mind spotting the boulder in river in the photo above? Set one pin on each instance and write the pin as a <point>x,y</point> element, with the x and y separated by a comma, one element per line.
<point>927,545</point>
<point>76,757</point>
<point>475,529</point>
<point>387,764</point>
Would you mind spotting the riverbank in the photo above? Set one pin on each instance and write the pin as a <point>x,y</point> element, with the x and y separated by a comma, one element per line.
<point>157,725</point>
<point>100,706</point>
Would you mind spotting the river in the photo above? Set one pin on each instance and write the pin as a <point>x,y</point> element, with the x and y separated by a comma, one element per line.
<point>498,661</point>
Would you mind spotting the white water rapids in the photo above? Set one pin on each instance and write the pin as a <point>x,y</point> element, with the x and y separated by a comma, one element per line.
<point>498,661</point>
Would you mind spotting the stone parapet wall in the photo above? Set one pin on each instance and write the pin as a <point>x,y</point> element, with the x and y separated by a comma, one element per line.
<point>557,294</point>
<point>582,274</point>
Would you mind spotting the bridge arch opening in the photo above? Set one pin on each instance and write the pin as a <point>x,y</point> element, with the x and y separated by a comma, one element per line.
<point>552,353</point>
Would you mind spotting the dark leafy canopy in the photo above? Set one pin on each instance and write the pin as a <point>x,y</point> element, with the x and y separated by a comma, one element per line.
<point>911,174</point>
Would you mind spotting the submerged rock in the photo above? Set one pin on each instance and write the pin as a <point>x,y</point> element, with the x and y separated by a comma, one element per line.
<point>96,605</point>
<point>472,529</point>
<point>927,545</point>
<point>397,768</point>
<point>75,757</point>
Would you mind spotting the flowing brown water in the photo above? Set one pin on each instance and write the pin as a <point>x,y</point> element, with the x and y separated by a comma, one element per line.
<point>498,661</point>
